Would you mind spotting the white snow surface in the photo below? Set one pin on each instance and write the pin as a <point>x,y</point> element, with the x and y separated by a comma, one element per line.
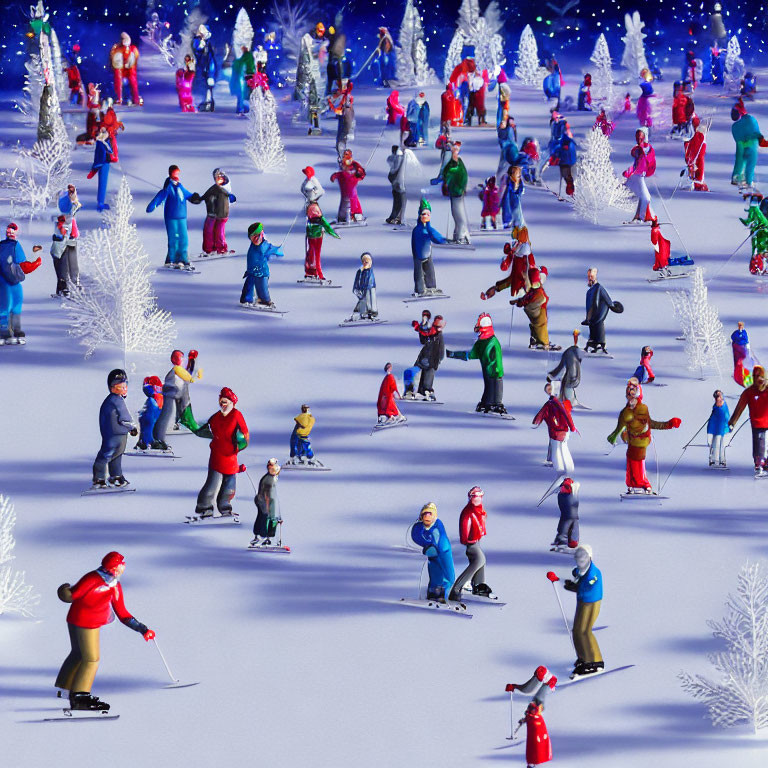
<point>307,660</point>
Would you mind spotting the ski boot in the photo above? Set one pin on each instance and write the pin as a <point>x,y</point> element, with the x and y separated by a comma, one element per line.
<point>140,446</point>
<point>500,409</point>
<point>480,408</point>
<point>84,701</point>
<point>118,481</point>
<point>98,484</point>
<point>160,445</point>
<point>483,590</point>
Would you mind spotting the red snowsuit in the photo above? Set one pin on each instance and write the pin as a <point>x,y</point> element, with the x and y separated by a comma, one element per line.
<point>695,149</point>
<point>93,601</point>
<point>348,178</point>
<point>757,402</point>
<point>450,108</point>
<point>224,444</point>
<point>112,124</point>
<point>92,118</point>
<point>395,109</point>
<point>386,404</point>
<point>682,108</point>
<point>75,83</point>
<point>538,748</point>
<point>124,59</point>
<point>472,524</point>
<point>661,248</point>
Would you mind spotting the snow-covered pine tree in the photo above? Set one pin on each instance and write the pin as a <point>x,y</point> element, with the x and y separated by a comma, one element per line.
<point>411,65</point>
<point>706,344</point>
<point>741,696</point>
<point>294,19</point>
<point>481,31</point>
<point>465,34</point>
<point>62,89</point>
<point>15,595</point>
<point>242,34</point>
<point>263,142</point>
<point>634,48</point>
<point>602,73</point>
<point>117,305</point>
<point>32,90</point>
<point>596,184</point>
<point>734,67</point>
<point>528,70</point>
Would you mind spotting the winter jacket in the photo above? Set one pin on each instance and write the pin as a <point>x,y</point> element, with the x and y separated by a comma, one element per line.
<point>316,228</point>
<point>455,178</point>
<point>266,496</point>
<point>740,337</point>
<point>746,130</point>
<point>590,584</point>
<point>472,524</point>
<point>422,237</point>
<point>638,424</point>
<point>114,417</point>
<point>230,435</point>
<point>682,109</point>
<point>93,600</point>
<point>385,403</point>
<point>491,201</point>
<point>598,303</point>
<point>11,255</point>
<point>304,424</point>
<point>102,154</point>
<point>312,189</point>
<point>59,243</point>
<point>757,402</point>
<point>488,351</point>
<point>570,364</point>
<point>718,420</point>
<point>432,352</point>
<point>557,418</point>
<point>174,197</point>
<point>216,200</point>
<point>551,85</point>
<point>566,152</point>
<point>433,537</point>
<point>364,281</point>
<point>258,256</point>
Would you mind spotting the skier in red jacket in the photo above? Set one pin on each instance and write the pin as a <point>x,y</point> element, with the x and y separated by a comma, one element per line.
<point>538,748</point>
<point>557,416</point>
<point>228,434</point>
<point>695,150</point>
<point>93,599</point>
<point>471,530</point>
<point>755,397</point>
<point>386,406</point>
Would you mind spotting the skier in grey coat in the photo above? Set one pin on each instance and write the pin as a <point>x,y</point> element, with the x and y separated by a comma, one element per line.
<point>570,365</point>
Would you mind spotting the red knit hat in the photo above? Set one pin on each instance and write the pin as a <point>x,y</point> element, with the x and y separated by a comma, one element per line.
<point>111,561</point>
<point>533,275</point>
<point>229,394</point>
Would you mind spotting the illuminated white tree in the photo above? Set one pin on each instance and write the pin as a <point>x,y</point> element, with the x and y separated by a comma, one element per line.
<point>15,595</point>
<point>528,70</point>
<point>263,142</point>
<point>634,48</point>
<point>411,66</point>
<point>602,74</point>
<point>482,31</point>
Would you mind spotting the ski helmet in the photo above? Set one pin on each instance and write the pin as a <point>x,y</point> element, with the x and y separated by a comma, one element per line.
<point>177,356</point>
<point>116,376</point>
<point>484,326</point>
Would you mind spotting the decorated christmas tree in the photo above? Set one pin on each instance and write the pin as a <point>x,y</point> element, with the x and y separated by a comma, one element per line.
<point>263,143</point>
<point>602,73</point>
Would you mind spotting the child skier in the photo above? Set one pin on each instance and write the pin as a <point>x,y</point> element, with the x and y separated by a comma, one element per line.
<point>301,447</point>
<point>491,204</point>
<point>471,531</point>
<point>717,428</point>
<point>317,226</point>
<point>149,414</point>
<point>268,514</point>
<point>365,289</point>
<point>429,533</point>
<point>644,373</point>
<point>217,199</point>
<point>257,267</point>
<point>386,407</point>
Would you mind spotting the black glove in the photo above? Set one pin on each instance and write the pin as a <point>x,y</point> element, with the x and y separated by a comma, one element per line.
<point>571,586</point>
<point>135,625</point>
<point>134,432</point>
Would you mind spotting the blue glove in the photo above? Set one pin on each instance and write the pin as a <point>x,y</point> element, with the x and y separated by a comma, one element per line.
<point>430,552</point>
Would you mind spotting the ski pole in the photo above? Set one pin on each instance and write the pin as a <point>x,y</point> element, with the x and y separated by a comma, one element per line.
<point>738,248</point>
<point>512,730</point>
<point>555,484</point>
<point>290,229</point>
<point>167,668</point>
<point>697,432</point>
<point>250,480</point>
<point>666,210</point>
<point>511,320</point>
<point>733,435</point>
<point>375,146</point>
<point>553,577</point>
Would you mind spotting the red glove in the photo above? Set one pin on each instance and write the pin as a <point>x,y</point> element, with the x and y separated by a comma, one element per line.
<point>192,354</point>
<point>242,468</point>
<point>415,323</point>
<point>552,682</point>
<point>507,248</point>
<point>91,173</point>
<point>30,266</point>
<point>149,635</point>
<point>510,687</point>
<point>552,576</point>
<point>763,142</point>
<point>674,423</point>
<point>506,263</point>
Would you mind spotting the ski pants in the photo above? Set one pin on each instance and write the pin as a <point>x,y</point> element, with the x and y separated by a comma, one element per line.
<point>181,403</point>
<point>367,303</point>
<point>587,648</point>
<point>567,176</point>
<point>475,571</point>
<point>460,221</point>
<point>258,284</point>
<point>441,573</point>
<point>167,414</point>
<point>426,380</point>
<point>758,446</point>
<point>178,241</point>
<point>493,391</point>
<point>147,422</point>
<point>214,239</point>
<point>567,530</point>
<point>636,477</point>
<point>101,192</point>
<point>423,275</point>
<point>745,161</point>
<point>133,82</point>
<point>561,455</point>
<point>637,185</point>
<point>79,668</point>
<point>67,269</point>
<point>300,446</point>
<point>11,302</point>
<point>110,457</point>
<point>312,266</point>
<point>219,486</point>
<point>717,449</point>
<point>568,393</point>
<point>264,525</point>
<point>341,141</point>
<point>399,200</point>
<point>596,334</point>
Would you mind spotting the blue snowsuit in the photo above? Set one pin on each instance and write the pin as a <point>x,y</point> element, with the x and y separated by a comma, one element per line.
<point>148,415</point>
<point>115,424</point>
<point>11,278</point>
<point>174,197</point>
<point>746,133</point>
<point>257,271</point>
<point>102,159</point>
<point>436,546</point>
<point>551,85</point>
<point>511,205</point>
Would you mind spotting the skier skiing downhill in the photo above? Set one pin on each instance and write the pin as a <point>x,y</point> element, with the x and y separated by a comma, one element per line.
<point>115,424</point>
<point>364,289</point>
<point>534,304</point>
<point>228,434</point>
<point>429,533</point>
<point>643,166</point>
<point>695,152</point>
<point>93,600</point>
<point>301,447</point>
<point>14,267</point>
<point>487,349</point>
<point>634,426</point>
<point>755,398</point>
<point>316,227</point>
<point>349,175</point>
<point>717,428</point>
<point>268,514</point>
<point>748,137</point>
<point>257,267</point>
<point>388,412</point>
<point>518,259</point>
<point>454,187</point>
<point>430,356</point>
<point>471,531</point>
<point>124,59</point>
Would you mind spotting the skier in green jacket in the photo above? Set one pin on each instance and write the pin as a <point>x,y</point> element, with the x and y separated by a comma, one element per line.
<point>488,350</point>
<point>317,226</point>
<point>454,187</point>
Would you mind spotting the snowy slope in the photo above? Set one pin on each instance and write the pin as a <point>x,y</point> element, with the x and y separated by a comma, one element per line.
<point>306,660</point>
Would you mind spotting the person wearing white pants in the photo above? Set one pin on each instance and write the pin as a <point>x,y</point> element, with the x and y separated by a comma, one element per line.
<point>559,423</point>
<point>717,429</point>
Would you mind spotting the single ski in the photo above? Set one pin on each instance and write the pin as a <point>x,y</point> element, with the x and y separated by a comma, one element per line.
<point>489,232</point>
<point>505,416</point>
<point>457,609</point>
<point>153,453</point>
<point>562,549</point>
<point>205,519</point>
<point>189,270</point>
<point>644,496</point>
<point>263,309</point>
<point>347,224</point>
<point>663,278</point>
<point>12,343</point>
<point>550,348</point>
<point>423,400</point>
<point>455,246</point>
<point>73,715</point>
<point>597,356</point>
<point>281,550</point>
<point>581,406</point>
<point>426,297</point>
<point>97,490</point>
<point>313,282</point>
<point>203,257</point>
<point>380,427</point>
<point>601,673</point>
<point>466,594</point>
<point>313,465</point>
<point>179,684</point>
<point>356,323</point>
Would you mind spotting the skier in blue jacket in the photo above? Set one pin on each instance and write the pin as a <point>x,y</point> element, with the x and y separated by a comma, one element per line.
<point>14,267</point>
<point>115,424</point>
<point>103,155</point>
<point>174,198</point>
<point>587,583</point>
<point>429,533</point>
<point>150,413</point>
<point>717,429</point>
<point>257,269</point>
<point>422,237</point>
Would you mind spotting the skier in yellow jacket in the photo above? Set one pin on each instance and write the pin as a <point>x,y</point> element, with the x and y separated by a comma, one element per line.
<point>301,449</point>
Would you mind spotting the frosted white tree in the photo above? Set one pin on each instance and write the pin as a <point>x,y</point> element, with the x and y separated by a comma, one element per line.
<point>32,90</point>
<point>117,305</point>
<point>242,35</point>
<point>528,70</point>
<point>734,67</point>
<point>263,142</point>
<point>602,74</point>
<point>191,23</point>
<point>480,31</point>
<point>597,186</point>
<point>706,344</point>
<point>634,48</point>
<point>294,18</point>
<point>741,695</point>
<point>15,595</point>
<point>411,66</point>
<point>62,89</point>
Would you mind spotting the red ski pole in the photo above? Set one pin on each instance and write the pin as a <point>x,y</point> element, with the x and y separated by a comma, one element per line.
<point>553,577</point>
